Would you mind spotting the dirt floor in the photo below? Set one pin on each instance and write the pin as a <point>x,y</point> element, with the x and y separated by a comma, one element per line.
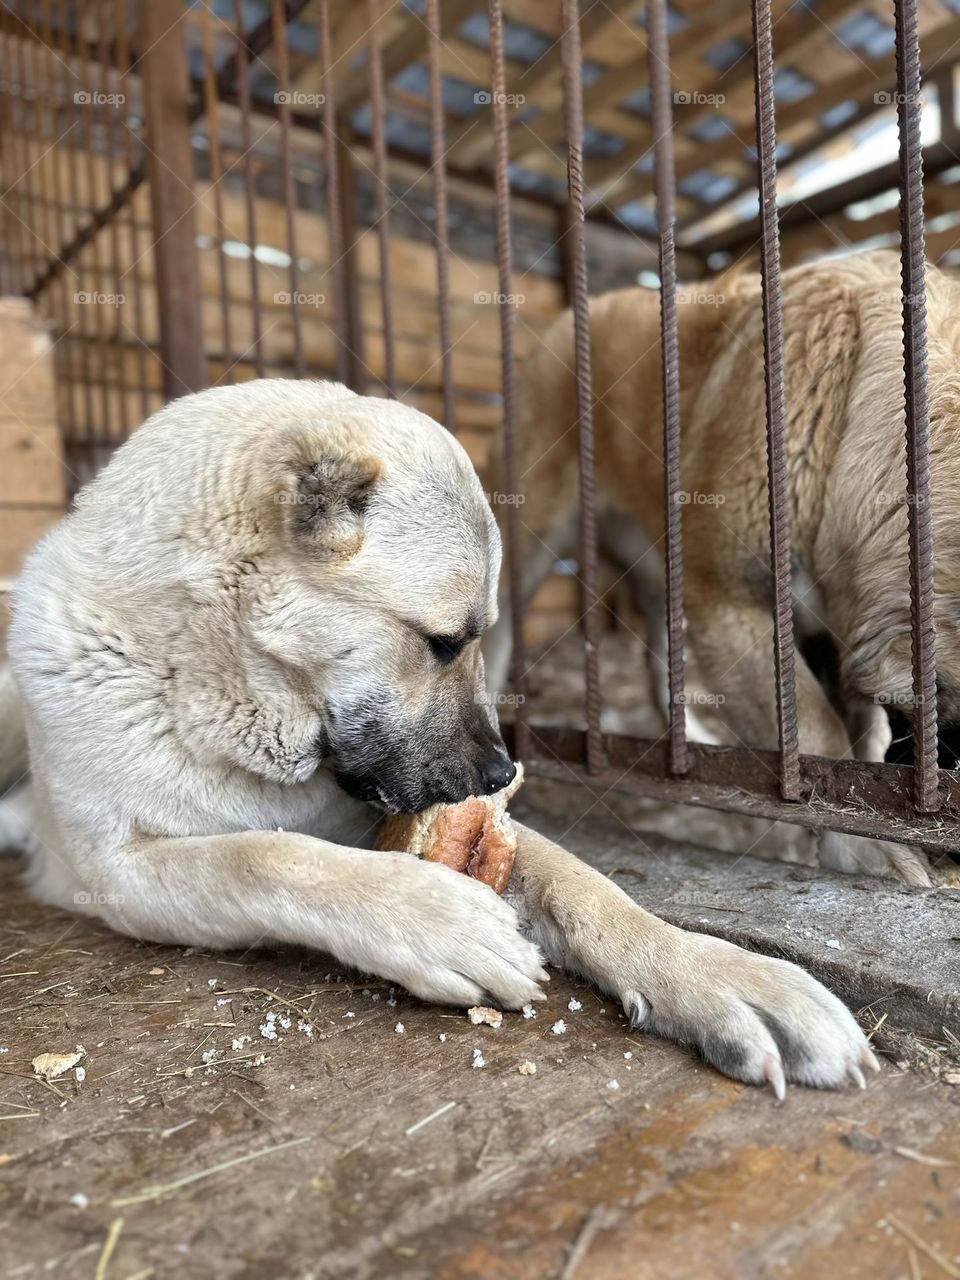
<point>262,1115</point>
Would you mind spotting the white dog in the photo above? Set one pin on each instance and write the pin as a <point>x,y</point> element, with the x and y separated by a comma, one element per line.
<point>257,631</point>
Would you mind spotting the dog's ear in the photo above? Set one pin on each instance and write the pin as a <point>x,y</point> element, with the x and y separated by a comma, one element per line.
<point>333,496</point>
<point>326,501</point>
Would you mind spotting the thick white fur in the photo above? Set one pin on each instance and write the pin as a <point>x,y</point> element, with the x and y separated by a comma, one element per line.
<point>180,652</point>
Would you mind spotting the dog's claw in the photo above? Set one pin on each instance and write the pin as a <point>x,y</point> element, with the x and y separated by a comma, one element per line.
<point>773,1073</point>
<point>638,1011</point>
<point>868,1059</point>
<point>856,1075</point>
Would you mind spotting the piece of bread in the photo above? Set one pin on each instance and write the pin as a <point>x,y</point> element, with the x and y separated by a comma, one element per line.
<point>475,836</point>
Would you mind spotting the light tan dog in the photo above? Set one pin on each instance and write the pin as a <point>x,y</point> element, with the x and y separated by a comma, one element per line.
<point>847,478</point>
<point>257,632</point>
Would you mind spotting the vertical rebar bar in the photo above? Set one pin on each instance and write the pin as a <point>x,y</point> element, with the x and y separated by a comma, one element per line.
<point>331,160</point>
<point>919,510</point>
<point>438,166</point>
<point>249,193</point>
<point>83,425</point>
<point>289,186</point>
<point>777,457</point>
<point>573,121</point>
<point>508,316</point>
<point>382,181</point>
<point>114,392</point>
<point>211,101</point>
<point>661,106</point>
<point>88,117</point>
<point>133,271</point>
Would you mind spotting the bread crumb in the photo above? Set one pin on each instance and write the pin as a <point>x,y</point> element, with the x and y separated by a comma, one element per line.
<point>399,1028</point>
<point>628,1054</point>
<point>613,1084</point>
<point>157,973</point>
<point>529,1011</point>
<point>79,1074</point>
<point>237,1045</point>
<point>52,1065</point>
<point>478,1058</point>
<point>442,1037</point>
<point>479,1013</point>
<point>559,1028</point>
<point>574,1006</point>
<point>527,1068</point>
<point>80,1200</point>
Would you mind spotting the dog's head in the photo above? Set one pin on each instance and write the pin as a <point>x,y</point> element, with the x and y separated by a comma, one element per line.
<point>386,559</point>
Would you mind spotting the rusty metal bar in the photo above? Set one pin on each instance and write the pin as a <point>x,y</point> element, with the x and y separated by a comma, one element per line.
<point>242,55</point>
<point>383,197</point>
<point>438,165</point>
<point>170,164</point>
<point>93,298</point>
<point>334,203</point>
<point>777,459</point>
<point>874,800</point>
<point>919,510</point>
<point>132,273</point>
<point>508,316</point>
<point>661,103</point>
<point>351,338</point>
<point>211,102</point>
<point>113,109</point>
<point>289,186</point>
<point>84,426</point>
<point>43,215</point>
<point>13,276</point>
<point>33,259</point>
<point>573,119</point>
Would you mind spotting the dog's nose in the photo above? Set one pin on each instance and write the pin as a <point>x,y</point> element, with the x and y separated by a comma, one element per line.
<point>496,774</point>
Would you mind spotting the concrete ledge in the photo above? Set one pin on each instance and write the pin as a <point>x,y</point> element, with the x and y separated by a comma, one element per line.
<point>877,945</point>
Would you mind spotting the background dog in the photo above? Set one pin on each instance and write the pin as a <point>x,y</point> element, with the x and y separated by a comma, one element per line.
<point>258,630</point>
<point>847,481</point>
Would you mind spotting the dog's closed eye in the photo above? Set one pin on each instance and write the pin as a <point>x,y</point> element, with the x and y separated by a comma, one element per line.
<point>446,648</point>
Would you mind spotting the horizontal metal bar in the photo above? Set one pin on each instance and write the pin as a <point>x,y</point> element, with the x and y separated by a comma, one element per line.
<point>874,800</point>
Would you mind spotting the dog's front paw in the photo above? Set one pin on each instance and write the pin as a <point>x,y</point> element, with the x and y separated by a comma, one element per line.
<point>450,939</point>
<point>755,1018</point>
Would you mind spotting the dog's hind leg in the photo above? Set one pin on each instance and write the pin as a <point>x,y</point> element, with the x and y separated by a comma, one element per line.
<point>445,937</point>
<point>752,1017</point>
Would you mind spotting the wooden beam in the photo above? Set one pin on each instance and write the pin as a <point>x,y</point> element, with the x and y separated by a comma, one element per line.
<point>166,90</point>
<point>823,204</point>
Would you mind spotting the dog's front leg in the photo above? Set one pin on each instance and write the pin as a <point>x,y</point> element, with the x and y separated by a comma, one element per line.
<point>443,936</point>
<point>752,1017</point>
